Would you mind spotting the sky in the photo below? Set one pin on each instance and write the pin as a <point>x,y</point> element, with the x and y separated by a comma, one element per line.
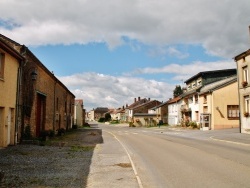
<point>110,52</point>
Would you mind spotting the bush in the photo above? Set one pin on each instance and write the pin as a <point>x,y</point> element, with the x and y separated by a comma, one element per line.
<point>193,124</point>
<point>51,133</point>
<point>86,125</point>
<point>44,134</point>
<point>27,133</point>
<point>131,124</point>
<point>102,119</point>
<point>60,131</point>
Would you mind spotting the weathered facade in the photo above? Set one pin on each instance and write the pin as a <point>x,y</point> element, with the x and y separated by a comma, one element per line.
<point>44,102</point>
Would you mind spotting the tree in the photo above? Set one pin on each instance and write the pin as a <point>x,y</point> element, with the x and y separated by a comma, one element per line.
<point>107,117</point>
<point>177,91</point>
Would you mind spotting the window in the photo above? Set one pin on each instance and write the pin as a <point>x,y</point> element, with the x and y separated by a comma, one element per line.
<point>196,99</point>
<point>233,111</point>
<point>198,82</point>
<point>205,99</point>
<point>193,84</point>
<point>1,65</point>
<point>245,74</point>
<point>246,99</point>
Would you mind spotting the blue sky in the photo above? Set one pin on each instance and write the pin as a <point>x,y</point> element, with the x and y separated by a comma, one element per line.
<point>110,53</point>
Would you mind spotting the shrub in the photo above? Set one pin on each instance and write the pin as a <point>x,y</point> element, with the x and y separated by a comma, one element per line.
<point>27,133</point>
<point>131,124</point>
<point>60,131</point>
<point>193,124</point>
<point>102,119</point>
<point>86,125</point>
<point>51,133</point>
<point>44,134</point>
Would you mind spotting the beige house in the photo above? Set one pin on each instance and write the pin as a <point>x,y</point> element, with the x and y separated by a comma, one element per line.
<point>219,105</point>
<point>79,116</point>
<point>10,62</point>
<point>243,66</point>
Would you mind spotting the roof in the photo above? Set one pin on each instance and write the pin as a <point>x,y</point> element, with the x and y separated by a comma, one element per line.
<point>217,85</point>
<point>174,100</point>
<point>146,103</point>
<point>6,47</point>
<point>160,105</point>
<point>22,50</point>
<point>242,55</point>
<point>139,102</point>
<point>191,92</point>
<point>208,72</point>
<point>79,101</point>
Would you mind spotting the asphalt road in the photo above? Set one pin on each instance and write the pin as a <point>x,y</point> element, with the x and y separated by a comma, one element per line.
<point>174,158</point>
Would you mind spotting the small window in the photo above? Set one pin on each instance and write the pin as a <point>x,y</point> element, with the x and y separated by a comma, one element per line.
<point>246,99</point>
<point>245,74</point>
<point>1,65</point>
<point>233,111</point>
<point>205,99</point>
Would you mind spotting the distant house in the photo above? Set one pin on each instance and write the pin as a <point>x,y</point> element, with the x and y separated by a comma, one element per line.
<point>79,117</point>
<point>190,98</point>
<point>142,111</point>
<point>219,104</point>
<point>243,66</point>
<point>10,63</point>
<point>174,115</point>
<point>161,112</point>
<point>129,111</point>
<point>100,112</point>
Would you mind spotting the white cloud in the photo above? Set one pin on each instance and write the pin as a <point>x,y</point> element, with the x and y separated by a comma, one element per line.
<point>103,90</point>
<point>221,27</point>
<point>183,72</point>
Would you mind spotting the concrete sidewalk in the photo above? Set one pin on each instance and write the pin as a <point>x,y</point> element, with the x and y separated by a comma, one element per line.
<point>111,166</point>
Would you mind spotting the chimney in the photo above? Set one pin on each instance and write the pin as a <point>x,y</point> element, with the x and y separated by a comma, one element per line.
<point>135,99</point>
<point>139,98</point>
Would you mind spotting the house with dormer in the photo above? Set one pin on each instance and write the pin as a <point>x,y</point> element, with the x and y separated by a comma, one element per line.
<point>190,98</point>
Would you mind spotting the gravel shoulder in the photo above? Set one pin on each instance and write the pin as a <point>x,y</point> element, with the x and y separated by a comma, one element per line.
<point>62,162</point>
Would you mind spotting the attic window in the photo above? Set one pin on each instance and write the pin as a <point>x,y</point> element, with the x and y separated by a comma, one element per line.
<point>198,82</point>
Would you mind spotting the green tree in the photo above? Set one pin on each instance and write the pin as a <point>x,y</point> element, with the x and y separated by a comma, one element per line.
<point>107,117</point>
<point>177,91</point>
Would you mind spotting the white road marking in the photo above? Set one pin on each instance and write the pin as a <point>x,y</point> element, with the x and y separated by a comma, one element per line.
<point>132,163</point>
<point>232,142</point>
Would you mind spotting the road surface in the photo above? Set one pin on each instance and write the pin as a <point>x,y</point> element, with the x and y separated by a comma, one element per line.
<point>174,158</point>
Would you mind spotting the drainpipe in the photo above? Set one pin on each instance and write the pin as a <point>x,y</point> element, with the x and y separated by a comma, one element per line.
<point>18,95</point>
